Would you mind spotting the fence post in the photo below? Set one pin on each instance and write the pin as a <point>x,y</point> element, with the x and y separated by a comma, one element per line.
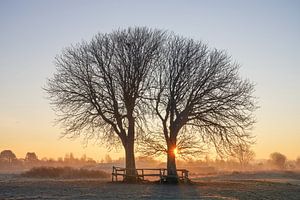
<point>112,174</point>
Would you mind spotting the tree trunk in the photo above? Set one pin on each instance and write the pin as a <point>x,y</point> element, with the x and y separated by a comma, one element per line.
<point>130,162</point>
<point>172,176</point>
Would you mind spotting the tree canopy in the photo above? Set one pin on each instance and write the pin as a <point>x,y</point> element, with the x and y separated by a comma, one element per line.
<point>175,92</point>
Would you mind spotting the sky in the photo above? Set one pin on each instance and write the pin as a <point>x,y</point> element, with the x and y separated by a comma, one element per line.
<point>263,36</point>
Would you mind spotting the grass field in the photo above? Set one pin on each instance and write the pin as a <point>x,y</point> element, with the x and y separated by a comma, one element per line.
<point>230,186</point>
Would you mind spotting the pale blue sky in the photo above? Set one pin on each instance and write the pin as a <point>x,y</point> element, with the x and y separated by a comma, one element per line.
<point>263,36</point>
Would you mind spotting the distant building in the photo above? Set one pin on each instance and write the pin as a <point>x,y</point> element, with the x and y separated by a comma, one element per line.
<point>7,156</point>
<point>31,156</point>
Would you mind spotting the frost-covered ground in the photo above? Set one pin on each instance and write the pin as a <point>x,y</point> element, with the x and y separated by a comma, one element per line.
<point>232,186</point>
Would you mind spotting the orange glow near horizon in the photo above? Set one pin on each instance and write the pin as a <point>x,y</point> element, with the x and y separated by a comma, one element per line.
<point>44,139</point>
<point>175,152</point>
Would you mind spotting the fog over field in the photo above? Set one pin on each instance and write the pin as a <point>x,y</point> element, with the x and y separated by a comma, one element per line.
<point>211,179</point>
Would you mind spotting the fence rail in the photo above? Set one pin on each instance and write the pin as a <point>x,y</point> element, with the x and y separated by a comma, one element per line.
<point>141,173</point>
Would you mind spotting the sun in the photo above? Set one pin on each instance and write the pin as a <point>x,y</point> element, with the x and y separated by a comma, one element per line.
<point>175,151</point>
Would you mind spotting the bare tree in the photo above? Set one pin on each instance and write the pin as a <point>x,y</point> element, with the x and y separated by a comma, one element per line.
<point>98,88</point>
<point>243,153</point>
<point>108,159</point>
<point>198,93</point>
<point>297,162</point>
<point>189,146</point>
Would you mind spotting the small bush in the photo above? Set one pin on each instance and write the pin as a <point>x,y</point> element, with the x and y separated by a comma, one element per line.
<point>64,172</point>
<point>278,160</point>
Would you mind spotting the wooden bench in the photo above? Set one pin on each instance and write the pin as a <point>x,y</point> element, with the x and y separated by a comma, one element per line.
<point>161,173</point>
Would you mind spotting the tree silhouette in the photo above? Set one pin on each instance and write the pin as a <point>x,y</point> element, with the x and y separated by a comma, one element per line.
<point>7,156</point>
<point>198,96</point>
<point>243,153</point>
<point>107,88</point>
<point>99,86</point>
<point>31,157</point>
<point>278,160</point>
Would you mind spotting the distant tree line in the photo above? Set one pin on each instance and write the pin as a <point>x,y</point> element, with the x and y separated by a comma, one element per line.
<point>8,160</point>
<point>207,165</point>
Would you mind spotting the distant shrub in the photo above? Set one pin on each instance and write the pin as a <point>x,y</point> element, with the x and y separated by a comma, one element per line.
<point>278,160</point>
<point>64,172</point>
<point>31,157</point>
<point>297,162</point>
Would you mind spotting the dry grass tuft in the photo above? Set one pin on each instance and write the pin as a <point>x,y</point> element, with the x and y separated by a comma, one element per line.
<point>64,172</point>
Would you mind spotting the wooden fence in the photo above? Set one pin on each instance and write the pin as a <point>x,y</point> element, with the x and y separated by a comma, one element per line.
<point>160,173</point>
